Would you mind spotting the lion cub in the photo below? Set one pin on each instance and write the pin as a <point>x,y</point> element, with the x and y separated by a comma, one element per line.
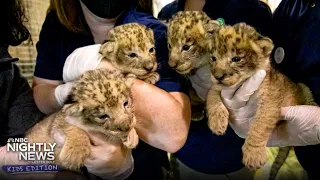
<point>100,101</point>
<point>188,48</point>
<point>237,52</point>
<point>130,48</point>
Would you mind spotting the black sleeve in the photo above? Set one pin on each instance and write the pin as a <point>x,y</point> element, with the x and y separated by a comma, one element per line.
<point>23,112</point>
<point>49,64</point>
<point>168,10</point>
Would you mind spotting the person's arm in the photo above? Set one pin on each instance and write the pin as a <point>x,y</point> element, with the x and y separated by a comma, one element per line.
<point>163,118</point>
<point>44,96</point>
<point>23,112</point>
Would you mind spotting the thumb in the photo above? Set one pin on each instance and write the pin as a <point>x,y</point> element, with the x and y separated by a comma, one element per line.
<point>97,138</point>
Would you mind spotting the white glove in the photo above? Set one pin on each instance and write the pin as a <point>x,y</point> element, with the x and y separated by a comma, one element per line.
<point>302,127</point>
<point>242,103</point>
<point>62,91</point>
<point>201,81</point>
<point>81,60</point>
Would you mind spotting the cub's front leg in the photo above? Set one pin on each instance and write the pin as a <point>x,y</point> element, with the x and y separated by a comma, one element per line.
<point>264,122</point>
<point>152,78</point>
<point>218,114</point>
<point>76,148</point>
<point>197,106</point>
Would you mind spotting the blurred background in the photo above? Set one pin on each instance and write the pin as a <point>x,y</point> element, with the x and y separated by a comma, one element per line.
<point>36,10</point>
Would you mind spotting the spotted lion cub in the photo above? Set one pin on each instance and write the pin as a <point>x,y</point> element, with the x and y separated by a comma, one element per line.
<point>130,48</point>
<point>100,101</point>
<point>188,48</point>
<point>237,52</point>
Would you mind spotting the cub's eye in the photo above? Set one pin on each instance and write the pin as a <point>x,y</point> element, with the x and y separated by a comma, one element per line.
<point>236,59</point>
<point>151,50</point>
<point>105,116</point>
<point>185,47</point>
<point>133,55</point>
<point>213,59</point>
<point>125,104</point>
<point>169,46</point>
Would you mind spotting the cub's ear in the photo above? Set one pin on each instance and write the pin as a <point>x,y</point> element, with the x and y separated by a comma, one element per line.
<point>165,22</point>
<point>74,109</point>
<point>265,44</point>
<point>108,48</point>
<point>211,27</point>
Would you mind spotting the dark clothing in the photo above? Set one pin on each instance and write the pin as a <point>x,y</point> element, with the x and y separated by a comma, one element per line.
<point>204,151</point>
<point>56,43</point>
<point>296,26</point>
<point>18,111</point>
<point>253,12</point>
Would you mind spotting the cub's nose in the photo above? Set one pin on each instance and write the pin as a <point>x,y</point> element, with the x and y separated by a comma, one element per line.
<point>219,76</point>
<point>148,68</point>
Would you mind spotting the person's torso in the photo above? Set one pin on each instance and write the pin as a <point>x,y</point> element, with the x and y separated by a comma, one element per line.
<point>147,159</point>
<point>296,26</point>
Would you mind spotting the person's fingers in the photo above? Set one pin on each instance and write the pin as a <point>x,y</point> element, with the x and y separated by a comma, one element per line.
<point>243,94</point>
<point>97,138</point>
<point>301,112</point>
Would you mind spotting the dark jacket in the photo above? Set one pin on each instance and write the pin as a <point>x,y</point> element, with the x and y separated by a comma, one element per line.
<point>296,26</point>
<point>18,111</point>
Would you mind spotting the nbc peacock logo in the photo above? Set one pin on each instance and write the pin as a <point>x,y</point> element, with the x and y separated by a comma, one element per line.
<point>10,140</point>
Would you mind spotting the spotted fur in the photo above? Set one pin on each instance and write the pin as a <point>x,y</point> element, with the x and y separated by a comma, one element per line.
<point>237,52</point>
<point>188,33</point>
<point>130,48</point>
<point>100,101</point>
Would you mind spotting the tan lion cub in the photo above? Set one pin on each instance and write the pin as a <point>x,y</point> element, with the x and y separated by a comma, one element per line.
<point>101,101</point>
<point>130,48</point>
<point>237,52</point>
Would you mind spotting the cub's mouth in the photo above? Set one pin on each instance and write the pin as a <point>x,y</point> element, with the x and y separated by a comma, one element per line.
<point>185,68</point>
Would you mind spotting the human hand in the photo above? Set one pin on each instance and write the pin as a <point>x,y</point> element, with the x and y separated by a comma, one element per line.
<point>242,103</point>
<point>301,127</point>
<point>107,160</point>
<point>83,59</point>
<point>201,81</point>
<point>62,91</point>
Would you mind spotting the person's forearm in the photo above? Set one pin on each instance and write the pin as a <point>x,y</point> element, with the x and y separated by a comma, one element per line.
<point>45,99</point>
<point>163,119</point>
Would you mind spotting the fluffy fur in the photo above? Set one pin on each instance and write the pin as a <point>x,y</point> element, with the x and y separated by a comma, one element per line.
<point>100,101</point>
<point>130,48</point>
<point>237,52</point>
<point>188,48</point>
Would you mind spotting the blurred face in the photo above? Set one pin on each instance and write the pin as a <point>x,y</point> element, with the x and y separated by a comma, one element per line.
<point>107,8</point>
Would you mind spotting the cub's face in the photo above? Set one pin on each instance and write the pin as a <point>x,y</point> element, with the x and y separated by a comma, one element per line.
<point>237,52</point>
<point>102,101</point>
<point>188,40</point>
<point>130,48</point>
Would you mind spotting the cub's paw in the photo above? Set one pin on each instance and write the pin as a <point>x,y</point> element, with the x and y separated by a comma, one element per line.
<point>254,157</point>
<point>218,120</point>
<point>73,157</point>
<point>197,113</point>
<point>153,78</point>
<point>132,139</point>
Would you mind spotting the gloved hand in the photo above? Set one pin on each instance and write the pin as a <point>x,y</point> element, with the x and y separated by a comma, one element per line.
<point>242,103</point>
<point>81,60</point>
<point>301,128</point>
<point>302,125</point>
<point>201,81</point>
<point>107,160</point>
<point>62,91</point>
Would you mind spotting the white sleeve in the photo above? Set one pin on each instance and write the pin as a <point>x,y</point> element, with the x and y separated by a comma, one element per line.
<point>81,60</point>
